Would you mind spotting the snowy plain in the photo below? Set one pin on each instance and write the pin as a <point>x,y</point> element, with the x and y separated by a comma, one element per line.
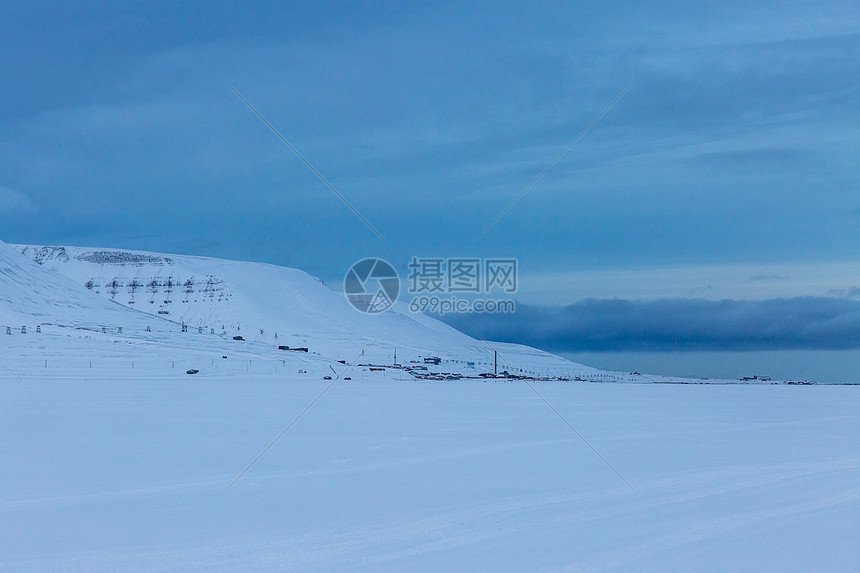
<point>123,471</point>
<point>115,459</point>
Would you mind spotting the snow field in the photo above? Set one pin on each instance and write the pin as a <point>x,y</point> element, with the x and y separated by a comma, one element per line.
<point>130,474</point>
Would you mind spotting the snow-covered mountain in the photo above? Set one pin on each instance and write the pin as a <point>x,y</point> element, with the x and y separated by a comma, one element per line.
<point>272,305</point>
<point>35,297</point>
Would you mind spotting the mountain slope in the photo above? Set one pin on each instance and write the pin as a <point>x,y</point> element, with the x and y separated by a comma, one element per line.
<point>274,305</point>
<point>33,296</point>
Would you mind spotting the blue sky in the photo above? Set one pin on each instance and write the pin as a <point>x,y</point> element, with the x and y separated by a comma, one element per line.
<point>733,159</point>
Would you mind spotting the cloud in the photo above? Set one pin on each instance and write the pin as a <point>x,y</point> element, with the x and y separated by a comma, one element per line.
<point>848,292</point>
<point>676,325</point>
<point>12,201</point>
<point>758,159</point>
<point>768,278</point>
<point>760,281</point>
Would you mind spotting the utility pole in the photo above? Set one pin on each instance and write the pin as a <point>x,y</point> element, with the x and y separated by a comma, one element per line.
<point>495,362</point>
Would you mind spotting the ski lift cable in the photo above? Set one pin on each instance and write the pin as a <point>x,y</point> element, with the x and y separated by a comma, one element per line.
<point>553,162</point>
<point>311,167</point>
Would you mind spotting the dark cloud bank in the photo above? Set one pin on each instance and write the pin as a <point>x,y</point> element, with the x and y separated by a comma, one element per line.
<point>675,325</point>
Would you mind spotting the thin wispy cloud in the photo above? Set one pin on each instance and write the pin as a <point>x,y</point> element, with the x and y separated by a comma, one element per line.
<point>708,281</point>
<point>14,202</point>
